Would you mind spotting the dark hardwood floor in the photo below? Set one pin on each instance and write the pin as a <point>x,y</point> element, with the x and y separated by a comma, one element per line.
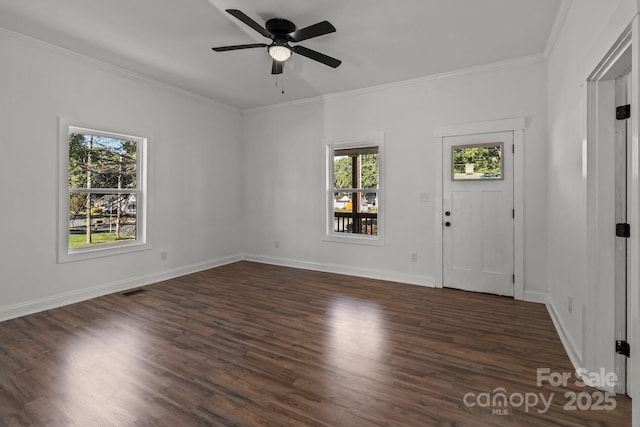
<point>258,345</point>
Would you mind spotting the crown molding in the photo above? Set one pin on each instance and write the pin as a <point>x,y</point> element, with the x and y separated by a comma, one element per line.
<point>122,72</point>
<point>563,10</point>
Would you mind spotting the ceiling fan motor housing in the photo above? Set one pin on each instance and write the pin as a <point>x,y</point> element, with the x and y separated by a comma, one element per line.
<point>280,27</point>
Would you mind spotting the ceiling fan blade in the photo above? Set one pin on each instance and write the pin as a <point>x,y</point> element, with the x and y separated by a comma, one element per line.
<point>277,67</point>
<point>315,30</point>
<point>317,56</point>
<point>239,46</point>
<point>250,22</point>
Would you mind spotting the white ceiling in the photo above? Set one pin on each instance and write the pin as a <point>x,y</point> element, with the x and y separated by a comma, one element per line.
<point>379,41</point>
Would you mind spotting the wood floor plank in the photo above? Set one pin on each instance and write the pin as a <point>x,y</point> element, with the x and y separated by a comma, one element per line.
<point>257,345</point>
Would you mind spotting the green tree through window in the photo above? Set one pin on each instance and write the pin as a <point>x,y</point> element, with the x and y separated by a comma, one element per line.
<point>479,161</point>
<point>102,189</point>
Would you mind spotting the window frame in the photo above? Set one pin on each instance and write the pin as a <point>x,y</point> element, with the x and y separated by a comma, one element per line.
<point>141,242</point>
<point>330,235</point>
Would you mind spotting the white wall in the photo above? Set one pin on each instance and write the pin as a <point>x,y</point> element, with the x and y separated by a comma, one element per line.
<point>285,159</point>
<point>195,186</point>
<point>589,31</point>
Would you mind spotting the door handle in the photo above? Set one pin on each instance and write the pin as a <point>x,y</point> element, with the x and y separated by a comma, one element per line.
<point>447,224</point>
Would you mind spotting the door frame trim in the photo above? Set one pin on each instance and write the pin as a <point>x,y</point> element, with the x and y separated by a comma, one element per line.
<point>517,126</point>
<point>600,181</point>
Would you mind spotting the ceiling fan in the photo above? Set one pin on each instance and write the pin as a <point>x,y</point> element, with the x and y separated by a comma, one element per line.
<point>283,32</point>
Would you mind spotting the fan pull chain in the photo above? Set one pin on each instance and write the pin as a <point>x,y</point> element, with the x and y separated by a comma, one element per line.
<point>282,91</point>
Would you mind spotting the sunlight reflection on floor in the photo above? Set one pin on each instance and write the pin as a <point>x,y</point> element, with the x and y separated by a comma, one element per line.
<point>99,369</point>
<point>357,336</point>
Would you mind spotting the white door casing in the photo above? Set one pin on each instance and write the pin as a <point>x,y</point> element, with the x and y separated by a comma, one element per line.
<point>621,168</point>
<point>516,126</point>
<point>478,219</point>
<point>611,199</point>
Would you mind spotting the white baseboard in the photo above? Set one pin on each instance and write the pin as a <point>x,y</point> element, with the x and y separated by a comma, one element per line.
<point>536,296</point>
<point>576,357</point>
<point>569,345</point>
<point>567,342</point>
<point>60,300</point>
<point>391,276</point>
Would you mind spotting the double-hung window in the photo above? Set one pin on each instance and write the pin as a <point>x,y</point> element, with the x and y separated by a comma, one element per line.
<point>354,196</point>
<point>103,200</point>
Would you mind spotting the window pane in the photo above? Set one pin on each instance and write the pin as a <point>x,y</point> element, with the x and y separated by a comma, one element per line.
<point>101,162</point>
<point>364,161</point>
<point>355,213</point>
<point>355,224</point>
<point>368,203</point>
<point>363,202</point>
<point>342,172</point>
<point>369,170</point>
<point>477,161</point>
<point>98,219</point>
<point>342,202</point>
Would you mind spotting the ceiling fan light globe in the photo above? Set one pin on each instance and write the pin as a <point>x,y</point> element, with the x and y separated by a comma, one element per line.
<point>280,53</point>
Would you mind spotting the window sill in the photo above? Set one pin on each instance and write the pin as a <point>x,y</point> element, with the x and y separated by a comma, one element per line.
<point>354,239</point>
<point>81,254</point>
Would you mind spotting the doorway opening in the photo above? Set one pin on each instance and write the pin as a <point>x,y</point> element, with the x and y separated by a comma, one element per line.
<point>608,183</point>
<point>486,134</point>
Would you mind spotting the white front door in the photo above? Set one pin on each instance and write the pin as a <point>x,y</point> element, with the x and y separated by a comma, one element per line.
<point>478,213</point>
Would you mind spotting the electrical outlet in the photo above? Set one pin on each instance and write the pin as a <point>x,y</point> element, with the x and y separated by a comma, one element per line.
<point>277,244</point>
<point>163,256</point>
<point>413,258</point>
